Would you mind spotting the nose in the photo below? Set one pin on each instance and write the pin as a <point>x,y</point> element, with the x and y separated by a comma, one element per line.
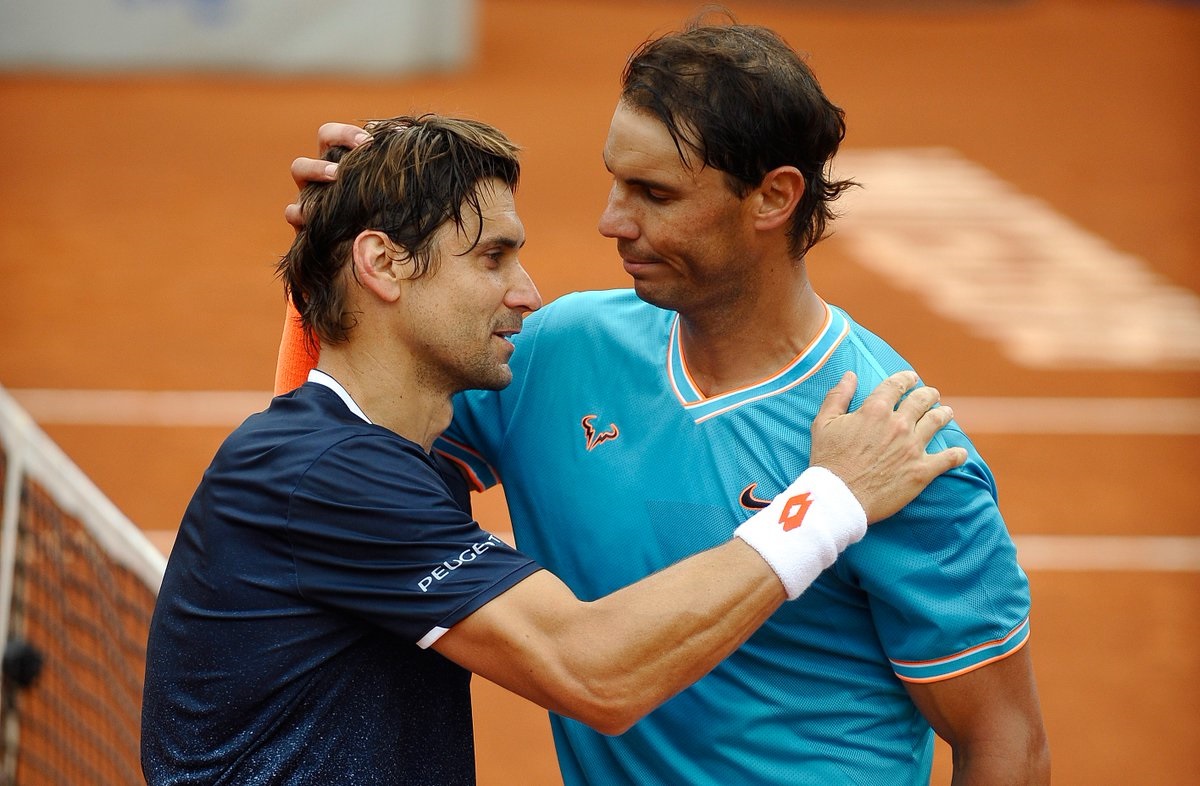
<point>616,221</point>
<point>522,294</point>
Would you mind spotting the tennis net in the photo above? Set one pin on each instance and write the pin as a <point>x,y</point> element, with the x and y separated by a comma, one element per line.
<point>77,588</point>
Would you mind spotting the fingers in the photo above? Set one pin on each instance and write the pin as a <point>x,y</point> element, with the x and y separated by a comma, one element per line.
<point>932,421</point>
<point>294,215</point>
<point>305,171</point>
<point>929,422</point>
<point>339,135</point>
<point>312,170</point>
<point>919,402</point>
<point>945,460</point>
<point>837,400</point>
<point>889,392</point>
<point>928,426</point>
<point>921,409</point>
<point>316,170</point>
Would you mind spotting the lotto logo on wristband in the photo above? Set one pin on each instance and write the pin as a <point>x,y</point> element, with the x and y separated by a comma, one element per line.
<point>792,515</point>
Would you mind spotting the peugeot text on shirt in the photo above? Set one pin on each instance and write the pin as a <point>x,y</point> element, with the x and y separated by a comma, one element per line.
<point>468,555</point>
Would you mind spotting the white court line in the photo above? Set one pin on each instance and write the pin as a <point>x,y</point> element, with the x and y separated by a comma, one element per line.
<point>140,407</point>
<point>1116,416</point>
<point>1132,416</point>
<point>978,415</point>
<point>1101,552</point>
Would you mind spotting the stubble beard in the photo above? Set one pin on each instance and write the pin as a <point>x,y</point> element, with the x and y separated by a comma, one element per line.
<point>481,372</point>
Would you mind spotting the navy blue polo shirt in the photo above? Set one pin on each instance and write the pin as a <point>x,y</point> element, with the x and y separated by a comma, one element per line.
<point>318,559</point>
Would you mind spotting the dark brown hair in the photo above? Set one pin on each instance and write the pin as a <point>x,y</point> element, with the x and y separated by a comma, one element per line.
<point>746,103</point>
<point>409,178</point>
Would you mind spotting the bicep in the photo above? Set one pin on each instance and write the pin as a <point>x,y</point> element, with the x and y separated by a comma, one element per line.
<point>513,640</point>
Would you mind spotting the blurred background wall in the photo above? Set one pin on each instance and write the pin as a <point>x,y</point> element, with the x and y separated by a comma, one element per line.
<point>285,36</point>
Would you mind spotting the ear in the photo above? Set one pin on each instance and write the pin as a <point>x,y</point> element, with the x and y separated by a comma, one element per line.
<point>379,264</point>
<point>776,198</point>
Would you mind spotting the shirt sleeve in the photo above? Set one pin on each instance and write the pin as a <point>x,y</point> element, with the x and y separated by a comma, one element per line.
<point>376,533</point>
<point>946,592</point>
<point>473,436</point>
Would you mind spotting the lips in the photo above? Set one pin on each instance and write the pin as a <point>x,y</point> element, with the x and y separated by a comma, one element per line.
<point>506,333</point>
<point>635,263</point>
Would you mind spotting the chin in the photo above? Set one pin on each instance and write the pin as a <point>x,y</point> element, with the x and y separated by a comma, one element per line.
<point>654,296</point>
<point>496,379</point>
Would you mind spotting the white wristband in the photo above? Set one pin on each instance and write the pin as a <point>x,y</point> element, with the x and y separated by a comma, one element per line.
<point>804,529</point>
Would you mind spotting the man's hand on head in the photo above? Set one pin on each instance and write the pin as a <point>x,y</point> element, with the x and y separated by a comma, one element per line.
<point>318,170</point>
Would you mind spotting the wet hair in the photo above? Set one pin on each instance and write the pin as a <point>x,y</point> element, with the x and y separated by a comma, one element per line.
<point>744,102</point>
<point>412,176</point>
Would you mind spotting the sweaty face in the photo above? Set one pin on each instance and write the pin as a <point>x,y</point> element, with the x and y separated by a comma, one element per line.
<point>681,232</point>
<point>463,313</point>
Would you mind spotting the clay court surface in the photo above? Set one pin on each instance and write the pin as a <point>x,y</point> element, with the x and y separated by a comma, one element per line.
<point>141,217</point>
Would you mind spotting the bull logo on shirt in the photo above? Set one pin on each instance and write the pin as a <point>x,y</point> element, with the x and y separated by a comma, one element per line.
<point>595,437</point>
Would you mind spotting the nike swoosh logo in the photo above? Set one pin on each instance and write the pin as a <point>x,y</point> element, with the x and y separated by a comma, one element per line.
<point>751,502</point>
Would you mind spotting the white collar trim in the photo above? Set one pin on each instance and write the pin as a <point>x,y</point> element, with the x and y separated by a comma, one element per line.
<point>321,378</point>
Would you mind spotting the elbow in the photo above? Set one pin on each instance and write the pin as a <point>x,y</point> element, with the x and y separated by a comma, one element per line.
<point>616,729</point>
<point>1024,759</point>
<point>1040,757</point>
<point>1037,756</point>
<point>611,720</point>
<point>616,720</point>
<point>607,704</point>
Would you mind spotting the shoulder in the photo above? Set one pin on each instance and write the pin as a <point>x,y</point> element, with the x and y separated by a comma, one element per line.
<point>591,324</point>
<point>874,358</point>
<point>309,438</point>
<point>594,298</point>
<point>371,457</point>
<point>595,311</point>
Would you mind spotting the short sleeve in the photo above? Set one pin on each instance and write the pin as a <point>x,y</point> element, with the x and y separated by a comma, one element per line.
<point>946,592</point>
<point>375,532</point>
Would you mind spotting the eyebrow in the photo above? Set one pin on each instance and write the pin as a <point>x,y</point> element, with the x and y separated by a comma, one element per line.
<point>651,185</point>
<point>505,241</point>
<point>642,182</point>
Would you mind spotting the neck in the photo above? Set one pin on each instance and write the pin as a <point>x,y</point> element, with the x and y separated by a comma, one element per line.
<point>389,393</point>
<point>742,344</point>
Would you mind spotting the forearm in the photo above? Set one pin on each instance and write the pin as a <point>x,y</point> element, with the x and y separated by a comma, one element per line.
<point>609,662</point>
<point>640,646</point>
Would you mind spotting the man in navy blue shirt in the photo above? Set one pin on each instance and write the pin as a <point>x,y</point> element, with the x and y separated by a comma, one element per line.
<point>329,594</point>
